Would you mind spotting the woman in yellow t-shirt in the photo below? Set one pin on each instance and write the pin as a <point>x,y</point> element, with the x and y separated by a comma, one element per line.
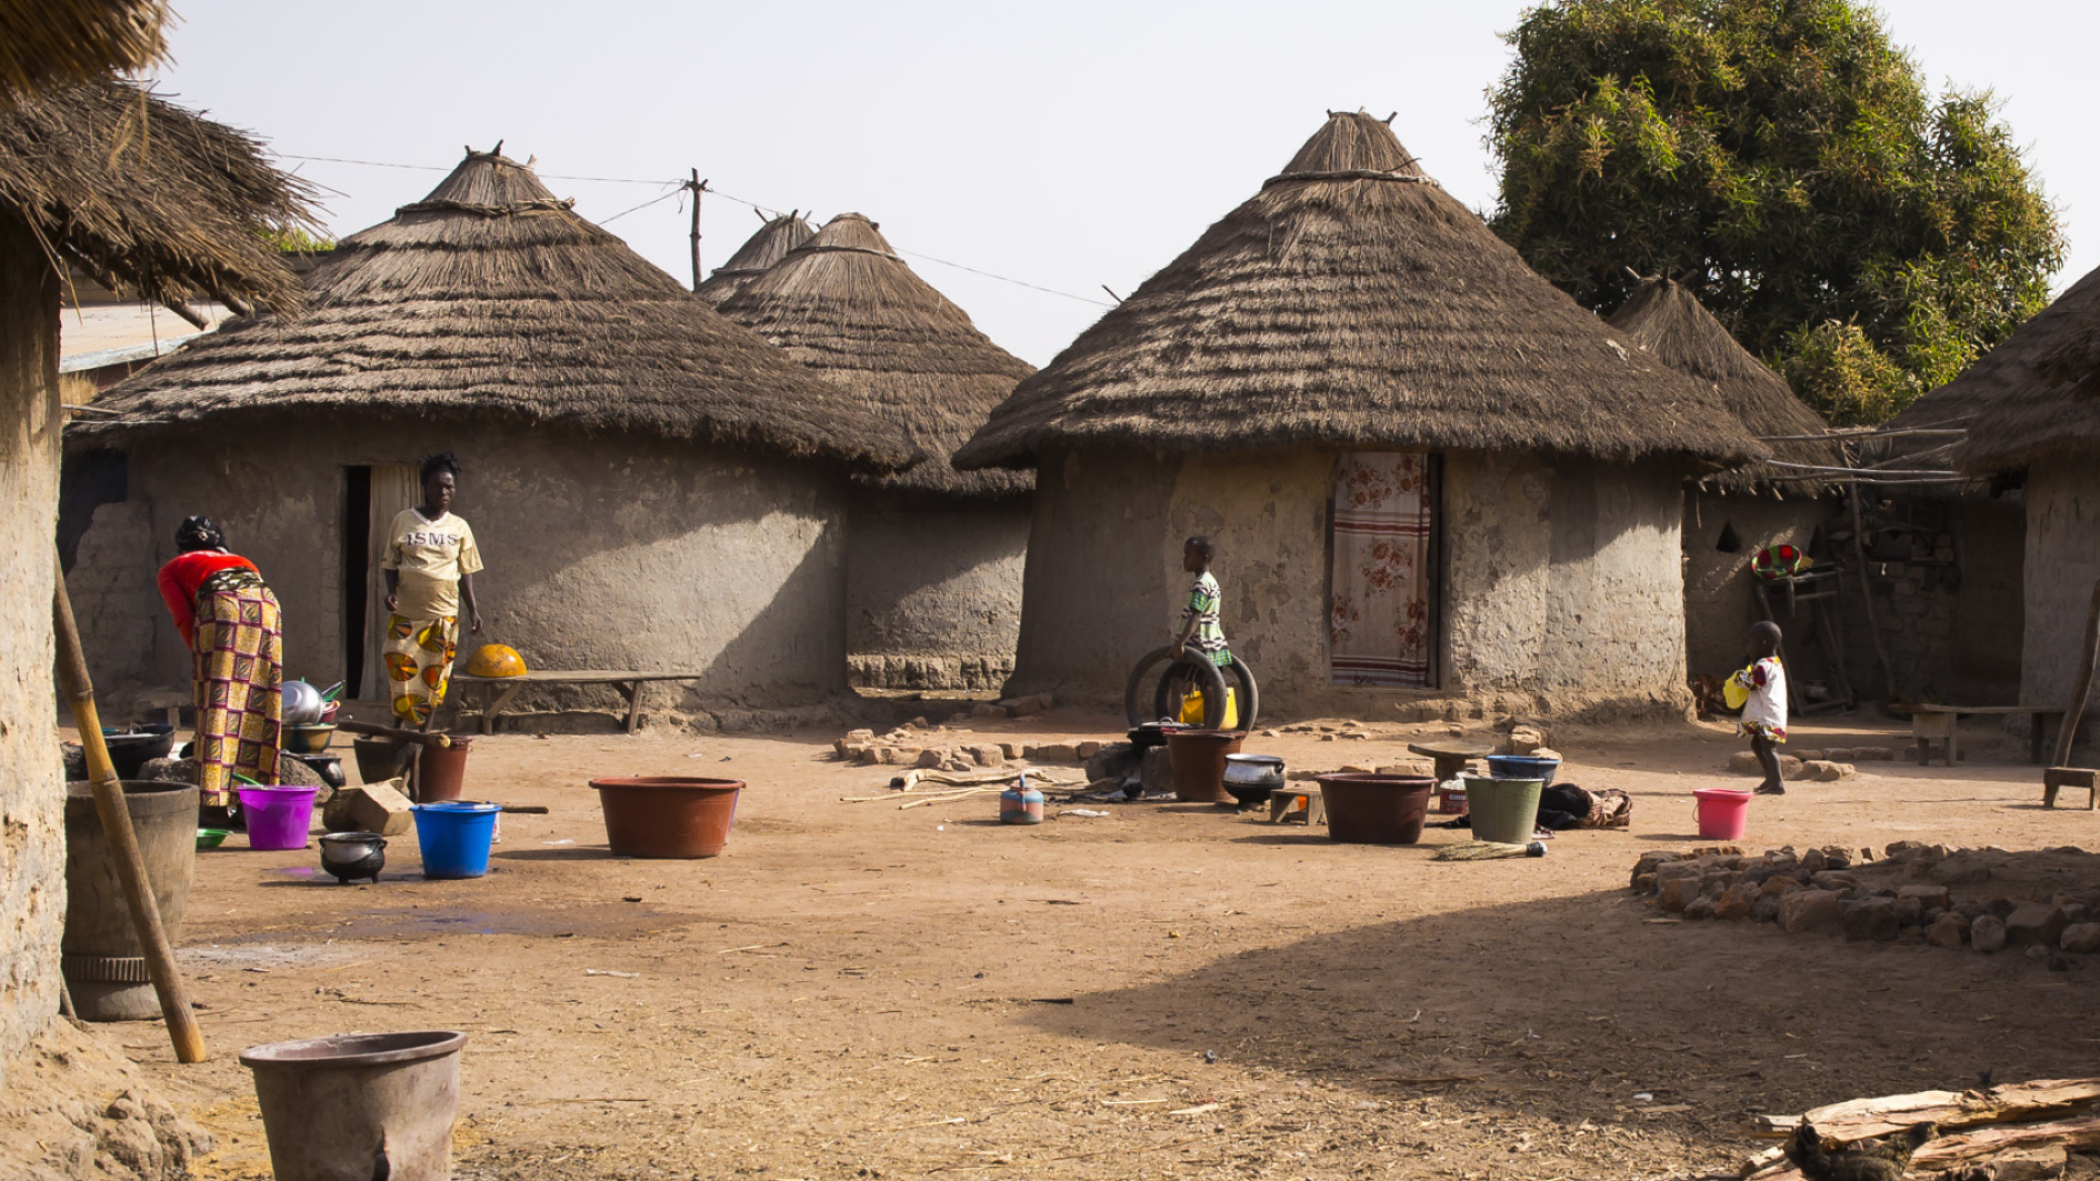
<point>430,563</point>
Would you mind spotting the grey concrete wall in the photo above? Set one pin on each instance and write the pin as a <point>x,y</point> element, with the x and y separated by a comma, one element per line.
<point>618,553</point>
<point>1719,600</point>
<point>2063,563</point>
<point>32,798</point>
<point>933,589</point>
<point>1563,590</point>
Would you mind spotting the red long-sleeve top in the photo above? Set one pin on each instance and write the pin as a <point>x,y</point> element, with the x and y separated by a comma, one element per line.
<point>180,578</point>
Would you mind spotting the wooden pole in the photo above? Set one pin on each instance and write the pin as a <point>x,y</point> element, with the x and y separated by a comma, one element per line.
<point>2089,655</point>
<point>696,186</point>
<point>116,825</point>
<point>1866,593</point>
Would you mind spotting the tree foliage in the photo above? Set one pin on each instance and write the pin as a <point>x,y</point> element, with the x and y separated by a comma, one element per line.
<point>1785,160</point>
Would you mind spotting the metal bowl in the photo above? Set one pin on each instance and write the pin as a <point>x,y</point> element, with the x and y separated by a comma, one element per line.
<point>302,704</point>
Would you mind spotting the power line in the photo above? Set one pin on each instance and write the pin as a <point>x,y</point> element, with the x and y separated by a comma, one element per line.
<point>768,210</point>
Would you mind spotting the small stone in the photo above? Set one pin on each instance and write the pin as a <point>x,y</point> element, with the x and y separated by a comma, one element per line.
<point>1987,934</point>
<point>1833,879</point>
<point>1808,910</point>
<point>1777,886</point>
<point>1874,754</point>
<point>1765,909</point>
<point>1928,896</point>
<point>2083,938</point>
<point>1809,756</point>
<point>1086,750</point>
<point>1012,750</point>
<point>1700,910</point>
<point>1948,930</point>
<point>1839,754</point>
<point>987,754</point>
<point>1909,913</point>
<point>930,758</point>
<point>1734,903</point>
<point>1679,893</point>
<point>1815,861</point>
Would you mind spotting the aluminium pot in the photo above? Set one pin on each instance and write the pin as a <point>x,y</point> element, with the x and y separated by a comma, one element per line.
<point>1251,779</point>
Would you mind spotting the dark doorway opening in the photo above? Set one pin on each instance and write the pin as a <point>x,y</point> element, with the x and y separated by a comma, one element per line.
<point>357,574</point>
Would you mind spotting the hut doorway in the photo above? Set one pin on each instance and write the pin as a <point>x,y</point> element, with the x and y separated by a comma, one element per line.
<point>373,495</point>
<point>1383,583</point>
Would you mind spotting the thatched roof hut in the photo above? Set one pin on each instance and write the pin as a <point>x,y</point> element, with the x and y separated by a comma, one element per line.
<point>49,43</point>
<point>491,299</point>
<point>1665,318</point>
<point>2037,394</point>
<point>1353,302</point>
<point>847,307</point>
<point>148,197</point>
<point>756,256</point>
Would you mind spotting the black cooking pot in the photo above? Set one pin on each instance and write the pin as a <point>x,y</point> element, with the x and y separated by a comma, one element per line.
<point>353,855</point>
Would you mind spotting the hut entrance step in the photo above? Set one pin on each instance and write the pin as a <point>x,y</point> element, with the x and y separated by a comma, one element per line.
<point>1817,591</point>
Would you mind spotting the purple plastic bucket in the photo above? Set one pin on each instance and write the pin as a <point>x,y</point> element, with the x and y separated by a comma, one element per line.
<point>278,817</point>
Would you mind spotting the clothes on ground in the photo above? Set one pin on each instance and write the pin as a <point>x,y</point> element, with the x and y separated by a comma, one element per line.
<point>1565,806</point>
<point>1764,712</point>
<point>419,656</point>
<point>1209,638</point>
<point>1382,578</point>
<point>238,648</point>
<point>183,576</point>
<point>430,558</point>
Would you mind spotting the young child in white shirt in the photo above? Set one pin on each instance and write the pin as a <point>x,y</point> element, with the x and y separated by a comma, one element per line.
<point>1764,714</point>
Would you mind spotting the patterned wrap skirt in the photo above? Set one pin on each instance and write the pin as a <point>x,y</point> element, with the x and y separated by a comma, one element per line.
<point>419,656</point>
<point>237,645</point>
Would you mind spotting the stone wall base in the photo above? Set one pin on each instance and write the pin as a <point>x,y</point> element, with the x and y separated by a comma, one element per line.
<point>970,673</point>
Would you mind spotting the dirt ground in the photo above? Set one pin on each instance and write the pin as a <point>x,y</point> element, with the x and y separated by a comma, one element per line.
<point>857,990</point>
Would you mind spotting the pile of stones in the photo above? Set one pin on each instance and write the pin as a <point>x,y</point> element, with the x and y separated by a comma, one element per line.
<point>1908,896</point>
<point>1824,766</point>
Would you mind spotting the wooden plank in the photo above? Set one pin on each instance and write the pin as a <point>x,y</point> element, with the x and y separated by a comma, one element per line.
<point>1966,710</point>
<point>588,676</point>
<point>1975,1147</point>
<point>1858,1119</point>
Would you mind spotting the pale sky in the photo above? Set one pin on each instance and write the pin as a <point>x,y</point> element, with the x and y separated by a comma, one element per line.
<point>1072,146</point>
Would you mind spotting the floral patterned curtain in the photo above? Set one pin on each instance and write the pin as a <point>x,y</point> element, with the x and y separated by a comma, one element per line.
<point>1379,628</point>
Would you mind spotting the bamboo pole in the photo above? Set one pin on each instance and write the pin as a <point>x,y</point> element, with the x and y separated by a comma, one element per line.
<point>116,825</point>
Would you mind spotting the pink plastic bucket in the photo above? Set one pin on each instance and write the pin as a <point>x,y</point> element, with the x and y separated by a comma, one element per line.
<point>278,817</point>
<point>1722,813</point>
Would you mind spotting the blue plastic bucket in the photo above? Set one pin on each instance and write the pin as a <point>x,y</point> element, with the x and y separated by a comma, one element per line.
<point>1523,767</point>
<point>455,837</point>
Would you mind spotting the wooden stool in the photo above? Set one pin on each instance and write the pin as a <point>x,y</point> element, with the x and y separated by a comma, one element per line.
<point>1450,757</point>
<point>2055,779</point>
<point>1284,803</point>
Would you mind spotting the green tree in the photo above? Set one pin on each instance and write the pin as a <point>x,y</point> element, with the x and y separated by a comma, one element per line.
<point>1785,160</point>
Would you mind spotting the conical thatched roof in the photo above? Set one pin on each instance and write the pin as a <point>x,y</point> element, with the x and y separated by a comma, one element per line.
<point>490,298</point>
<point>846,306</point>
<point>756,256</point>
<point>1353,303</point>
<point>2038,392</point>
<point>145,195</point>
<point>1665,318</point>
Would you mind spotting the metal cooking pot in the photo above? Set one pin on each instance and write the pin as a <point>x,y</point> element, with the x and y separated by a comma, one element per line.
<point>1251,778</point>
<point>353,855</point>
<point>302,704</point>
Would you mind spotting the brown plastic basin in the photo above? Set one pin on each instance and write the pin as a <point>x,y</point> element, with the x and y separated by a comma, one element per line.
<point>667,816</point>
<point>1197,759</point>
<point>1364,809</point>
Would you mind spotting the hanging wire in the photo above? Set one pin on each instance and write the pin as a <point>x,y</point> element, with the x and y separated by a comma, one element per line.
<point>768,210</point>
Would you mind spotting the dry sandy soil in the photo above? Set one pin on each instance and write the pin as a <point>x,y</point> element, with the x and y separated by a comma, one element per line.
<point>856,990</point>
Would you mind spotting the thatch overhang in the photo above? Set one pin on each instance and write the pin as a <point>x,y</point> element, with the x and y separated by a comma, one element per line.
<point>756,256</point>
<point>491,299</point>
<point>1352,303</point>
<point>1665,318</point>
<point>2038,393</point>
<point>847,307</point>
<point>148,197</point>
<point>55,43</point>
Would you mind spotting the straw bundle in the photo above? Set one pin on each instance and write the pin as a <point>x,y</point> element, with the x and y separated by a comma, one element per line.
<point>1353,303</point>
<point>490,298</point>
<point>847,307</point>
<point>47,43</point>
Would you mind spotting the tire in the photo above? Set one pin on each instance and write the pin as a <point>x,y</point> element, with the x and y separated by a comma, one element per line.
<point>1248,697</point>
<point>1213,688</point>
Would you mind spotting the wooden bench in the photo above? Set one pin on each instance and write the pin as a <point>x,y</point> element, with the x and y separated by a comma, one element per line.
<point>502,689</point>
<point>1943,722</point>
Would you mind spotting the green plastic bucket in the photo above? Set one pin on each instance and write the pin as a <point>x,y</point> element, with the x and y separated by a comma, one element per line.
<point>1503,810</point>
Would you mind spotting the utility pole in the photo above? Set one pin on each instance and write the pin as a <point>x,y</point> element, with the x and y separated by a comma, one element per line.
<point>696,186</point>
